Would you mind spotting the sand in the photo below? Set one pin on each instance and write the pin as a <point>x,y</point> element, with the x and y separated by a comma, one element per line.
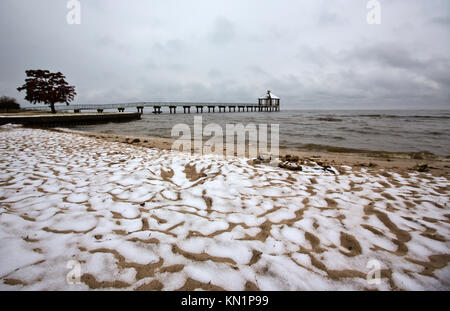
<point>374,162</point>
<point>97,211</point>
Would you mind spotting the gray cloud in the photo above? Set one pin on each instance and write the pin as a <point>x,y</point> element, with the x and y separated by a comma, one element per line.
<point>441,20</point>
<point>313,54</point>
<point>223,31</point>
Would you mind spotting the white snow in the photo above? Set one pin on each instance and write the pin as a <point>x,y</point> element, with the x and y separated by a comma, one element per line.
<point>131,214</point>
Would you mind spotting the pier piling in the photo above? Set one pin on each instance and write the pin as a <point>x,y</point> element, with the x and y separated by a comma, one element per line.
<point>156,109</point>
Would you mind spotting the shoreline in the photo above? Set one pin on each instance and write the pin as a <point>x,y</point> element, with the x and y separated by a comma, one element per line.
<point>400,162</point>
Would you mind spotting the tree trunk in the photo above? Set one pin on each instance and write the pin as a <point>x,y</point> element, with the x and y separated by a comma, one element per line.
<point>52,107</point>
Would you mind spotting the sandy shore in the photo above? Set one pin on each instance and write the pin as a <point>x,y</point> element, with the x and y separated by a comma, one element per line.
<point>402,163</point>
<point>120,214</point>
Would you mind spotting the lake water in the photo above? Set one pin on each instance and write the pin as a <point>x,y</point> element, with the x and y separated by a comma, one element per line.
<point>383,130</point>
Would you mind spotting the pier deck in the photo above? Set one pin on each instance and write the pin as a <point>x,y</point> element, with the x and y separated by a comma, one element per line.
<point>172,107</point>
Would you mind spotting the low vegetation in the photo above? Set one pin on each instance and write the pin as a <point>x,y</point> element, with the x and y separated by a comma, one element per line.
<point>9,104</point>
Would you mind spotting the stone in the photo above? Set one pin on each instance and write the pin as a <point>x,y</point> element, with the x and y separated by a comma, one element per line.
<point>423,168</point>
<point>293,166</point>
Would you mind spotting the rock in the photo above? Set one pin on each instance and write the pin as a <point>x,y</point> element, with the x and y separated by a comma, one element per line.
<point>423,168</point>
<point>328,168</point>
<point>320,163</point>
<point>289,158</point>
<point>422,155</point>
<point>256,161</point>
<point>293,166</point>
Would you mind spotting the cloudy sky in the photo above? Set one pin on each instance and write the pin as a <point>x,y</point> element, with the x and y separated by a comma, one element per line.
<point>313,54</point>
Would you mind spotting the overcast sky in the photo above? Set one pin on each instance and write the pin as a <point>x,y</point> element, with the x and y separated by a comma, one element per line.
<point>312,54</point>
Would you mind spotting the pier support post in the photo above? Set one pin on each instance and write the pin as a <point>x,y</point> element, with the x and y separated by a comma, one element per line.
<point>76,111</point>
<point>99,110</point>
<point>121,109</point>
<point>156,109</point>
<point>187,108</point>
<point>174,109</point>
<point>211,107</point>
<point>199,107</point>
<point>140,109</point>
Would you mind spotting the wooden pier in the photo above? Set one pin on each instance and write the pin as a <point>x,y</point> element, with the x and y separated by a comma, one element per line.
<point>171,108</point>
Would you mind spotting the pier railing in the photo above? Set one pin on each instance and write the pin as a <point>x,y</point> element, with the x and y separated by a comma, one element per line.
<point>222,107</point>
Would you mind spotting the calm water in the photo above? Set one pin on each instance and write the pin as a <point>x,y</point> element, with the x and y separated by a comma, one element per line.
<point>396,131</point>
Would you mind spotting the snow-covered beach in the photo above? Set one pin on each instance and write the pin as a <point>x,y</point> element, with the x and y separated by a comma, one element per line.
<point>129,217</point>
